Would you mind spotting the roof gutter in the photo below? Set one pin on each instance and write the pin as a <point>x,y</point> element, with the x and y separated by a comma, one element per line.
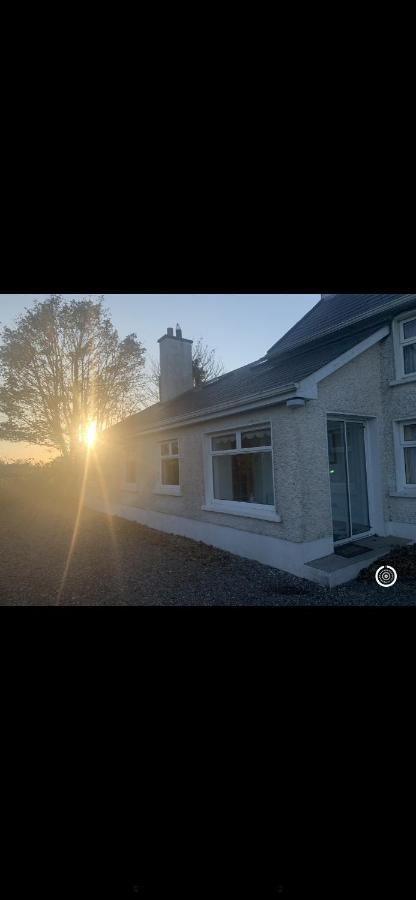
<point>265,398</point>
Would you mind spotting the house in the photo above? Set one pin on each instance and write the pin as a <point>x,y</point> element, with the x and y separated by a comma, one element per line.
<point>304,460</point>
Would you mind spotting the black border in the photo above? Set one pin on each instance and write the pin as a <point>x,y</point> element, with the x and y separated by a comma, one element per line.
<point>306,711</point>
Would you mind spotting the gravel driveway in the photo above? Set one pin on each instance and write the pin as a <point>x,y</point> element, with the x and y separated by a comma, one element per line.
<point>116,562</point>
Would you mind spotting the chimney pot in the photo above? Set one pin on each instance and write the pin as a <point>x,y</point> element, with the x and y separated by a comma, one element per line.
<point>179,332</point>
<point>170,332</point>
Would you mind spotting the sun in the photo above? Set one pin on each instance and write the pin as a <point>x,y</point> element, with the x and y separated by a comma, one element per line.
<point>91,434</point>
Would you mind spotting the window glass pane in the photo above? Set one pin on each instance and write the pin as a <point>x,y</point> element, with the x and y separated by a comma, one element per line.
<point>410,464</point>
<point>170,471</point>
<point>165,450</point>
<point>131,471</point>
<point>338,480</point>
<point>260,438</point>
<point>409,329</point>
<point>174,448</point>
<point>245,478</point>
<point>409,359</point>
<point>223,477</point>
<point>357,477</point>
<point>225,442</point>
<point>410,432</point>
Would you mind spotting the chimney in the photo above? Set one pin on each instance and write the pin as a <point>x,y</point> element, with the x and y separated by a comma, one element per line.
<point>176,376</point>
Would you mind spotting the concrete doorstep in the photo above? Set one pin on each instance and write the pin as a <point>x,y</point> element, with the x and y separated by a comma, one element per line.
<point>334,570</point>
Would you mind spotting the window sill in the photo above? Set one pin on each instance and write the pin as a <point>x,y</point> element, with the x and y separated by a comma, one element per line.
<point>407,379</point>
<point>410,492</point>
<point>168,490</point>
<point>244,513</point>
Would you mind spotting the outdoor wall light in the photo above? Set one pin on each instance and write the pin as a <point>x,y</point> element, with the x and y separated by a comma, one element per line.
<point>295,403</point>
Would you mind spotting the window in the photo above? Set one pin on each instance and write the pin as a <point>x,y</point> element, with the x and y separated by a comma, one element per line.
<point>405,451</point>
<point>169,452</point>
<point>408,433</point>
<point>227,442</point>
<point>408,346</point>
<point>241,472</point>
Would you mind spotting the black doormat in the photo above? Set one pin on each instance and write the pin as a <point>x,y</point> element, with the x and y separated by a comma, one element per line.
<point>350,550</point>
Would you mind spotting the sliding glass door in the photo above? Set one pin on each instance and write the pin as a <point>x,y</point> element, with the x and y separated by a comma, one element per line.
<point>348,478</point>
<point>357,473</point>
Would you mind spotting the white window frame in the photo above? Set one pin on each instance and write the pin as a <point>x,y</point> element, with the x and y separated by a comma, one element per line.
<point>235,507</point>
<point>173,490</point>
<point>403,487</point>
<point>400,342</point>
<point>130,485</point>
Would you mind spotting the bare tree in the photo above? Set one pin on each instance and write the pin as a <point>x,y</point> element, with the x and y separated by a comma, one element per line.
<point>205,367</point>
<point>63,366</point>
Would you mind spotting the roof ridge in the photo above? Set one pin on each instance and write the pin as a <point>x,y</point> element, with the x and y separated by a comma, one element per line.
<point>335,329</point>
<point>306,316</point>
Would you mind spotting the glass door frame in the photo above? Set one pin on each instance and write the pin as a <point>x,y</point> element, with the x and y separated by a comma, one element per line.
<point>358,421</point>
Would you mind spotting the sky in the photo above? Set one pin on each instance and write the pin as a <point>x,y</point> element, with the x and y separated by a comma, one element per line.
<point>241,327</point>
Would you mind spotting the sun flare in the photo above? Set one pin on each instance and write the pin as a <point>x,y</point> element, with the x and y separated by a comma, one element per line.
<point>91,434</point>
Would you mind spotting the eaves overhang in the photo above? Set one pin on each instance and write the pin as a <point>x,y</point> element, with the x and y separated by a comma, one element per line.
<point>234,407</point>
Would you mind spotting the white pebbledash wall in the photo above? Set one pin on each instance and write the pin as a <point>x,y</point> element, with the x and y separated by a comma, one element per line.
<point>399,402</point>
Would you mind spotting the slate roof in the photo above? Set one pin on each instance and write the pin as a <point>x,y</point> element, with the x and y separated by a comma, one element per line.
<point>336,311</point>
<point>241,384</point>
<point>335,325</point>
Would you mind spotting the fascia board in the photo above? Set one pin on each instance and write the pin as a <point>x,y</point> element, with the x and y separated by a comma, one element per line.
<point>267,398</point>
